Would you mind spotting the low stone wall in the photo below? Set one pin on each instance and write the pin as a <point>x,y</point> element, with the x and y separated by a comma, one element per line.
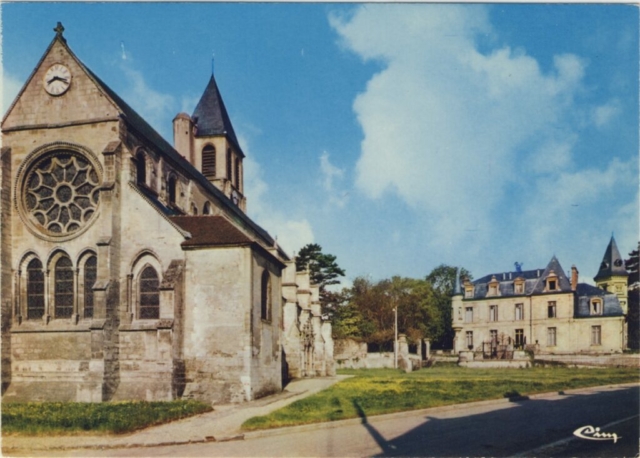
<point>473,360</point>
<point>615,360</point>
<point>349,354</point>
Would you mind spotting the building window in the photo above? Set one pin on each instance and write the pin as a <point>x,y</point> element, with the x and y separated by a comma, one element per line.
<point>520,339</point>
<point>551,310</point>
<point>194,209</point>
<point>90,276</point>
<point>519,312</point>
<point>238,173</point>
<point>141,169</point>
<point>494,335</point>
<point>209,162</point>
<point>493,313</point>
<point>149,294</point>
<point>596,335</point>
<point>552,285</point>
<point>470,340</point>
<point>468,315</point>
<point>468,292</point>
<point>35,290</point>
<point>518,288</point>
<point>493,290</point>
<point>63,288</point>
<point>265,296</point>
<point>172,185</point>
<point>206,210</point>
<point>551,337</point>
<point>596,307</point>
<point>229,167</point>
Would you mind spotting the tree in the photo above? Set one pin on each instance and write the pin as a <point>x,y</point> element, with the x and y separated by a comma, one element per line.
<point>633,304</point>
<point>443,279</point>
<point>323,267</point>
<point>324,271</point>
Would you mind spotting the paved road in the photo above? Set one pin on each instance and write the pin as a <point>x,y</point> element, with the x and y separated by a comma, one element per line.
<point>518,428</point>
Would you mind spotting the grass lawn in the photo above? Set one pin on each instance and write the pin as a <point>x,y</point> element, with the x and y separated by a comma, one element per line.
<point>40,418</point>
<point>378,391</point>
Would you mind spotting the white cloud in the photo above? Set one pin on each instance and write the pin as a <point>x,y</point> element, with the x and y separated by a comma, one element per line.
<point>151,104</point>
<point>330,175</point>
<point>10,88</point>
<point>604,114</point>
<point>292,233</point>
<point>445,125</point>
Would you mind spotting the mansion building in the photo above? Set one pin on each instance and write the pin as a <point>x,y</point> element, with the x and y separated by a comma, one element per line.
<point>129,268</point>
<point>544,310</point>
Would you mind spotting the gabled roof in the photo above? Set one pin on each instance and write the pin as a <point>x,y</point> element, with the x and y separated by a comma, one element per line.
<point>211,117</point>
<point>612,263</point>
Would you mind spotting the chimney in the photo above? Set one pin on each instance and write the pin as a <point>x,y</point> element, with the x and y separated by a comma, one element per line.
<point>574,278</point>
<point>183,136</point>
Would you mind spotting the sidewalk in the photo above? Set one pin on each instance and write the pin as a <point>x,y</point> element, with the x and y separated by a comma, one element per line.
<point>220,425</point>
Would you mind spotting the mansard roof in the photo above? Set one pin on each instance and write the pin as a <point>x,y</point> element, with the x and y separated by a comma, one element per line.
<point>612,263</point>
<point>610,302</point>
<point>211,117</point>
<point>534,281</point>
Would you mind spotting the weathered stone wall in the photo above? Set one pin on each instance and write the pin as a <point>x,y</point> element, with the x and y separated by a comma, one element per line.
<point>217,323</point>
<point>6,293</point>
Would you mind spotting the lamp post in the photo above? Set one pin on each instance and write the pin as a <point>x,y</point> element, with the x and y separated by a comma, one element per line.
<point>395,341</point>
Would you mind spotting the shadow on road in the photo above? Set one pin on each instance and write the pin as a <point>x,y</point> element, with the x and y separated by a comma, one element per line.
<point>516,427</point>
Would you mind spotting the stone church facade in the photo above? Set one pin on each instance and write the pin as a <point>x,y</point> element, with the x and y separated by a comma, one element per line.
<point>544,310</point>
<point>129,268</point>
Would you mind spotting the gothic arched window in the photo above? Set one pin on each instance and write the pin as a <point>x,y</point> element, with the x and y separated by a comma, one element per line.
<point>35,290</point>
<point>149,294</point>
<point>172,190</point>
<point>63,288</point>
<point>206,210</point>
<point>265,296</point>
<point>229,166</point>
<point>209,162</point>
<point>141,168</point>
<point>90,276</point>
<point>238,173</point>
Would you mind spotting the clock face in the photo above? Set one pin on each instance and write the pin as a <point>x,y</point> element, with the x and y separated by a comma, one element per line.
<point>57,79</point>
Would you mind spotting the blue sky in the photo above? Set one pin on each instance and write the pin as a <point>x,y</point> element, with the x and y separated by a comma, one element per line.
<point>398,137</point>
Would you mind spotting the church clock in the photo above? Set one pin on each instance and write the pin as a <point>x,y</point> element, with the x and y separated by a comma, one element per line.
<point>57,79</point>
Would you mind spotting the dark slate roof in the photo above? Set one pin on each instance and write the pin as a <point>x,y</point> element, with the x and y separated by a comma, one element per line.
<point>138,124</point>
<point>611,304</point>
<point>210,231</point>
<point>612,263</point>
<point>534,281</point>
<point>211,117</point>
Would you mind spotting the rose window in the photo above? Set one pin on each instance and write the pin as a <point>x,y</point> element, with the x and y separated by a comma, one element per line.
<point>61,192</point>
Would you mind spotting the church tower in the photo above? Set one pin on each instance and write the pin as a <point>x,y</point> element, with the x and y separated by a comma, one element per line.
<point>208,141</point>
<point>612,276</point>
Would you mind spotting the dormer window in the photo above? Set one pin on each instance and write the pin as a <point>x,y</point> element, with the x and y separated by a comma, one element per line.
<point>596,307</point>
<point>493,289</point>
<point>518,286</point>
<point>468,291</point>
<point>552,281</point>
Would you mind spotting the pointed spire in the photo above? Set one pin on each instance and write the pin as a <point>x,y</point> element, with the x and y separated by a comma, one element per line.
<point>212,117</point>
<point>457,291</point>
<point>612,263</point>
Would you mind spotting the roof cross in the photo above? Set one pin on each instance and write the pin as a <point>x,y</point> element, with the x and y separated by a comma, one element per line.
<point>59,29</point>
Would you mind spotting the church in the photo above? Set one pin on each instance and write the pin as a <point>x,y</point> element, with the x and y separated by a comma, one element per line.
<point>543,310</point>
<point>129,267</point>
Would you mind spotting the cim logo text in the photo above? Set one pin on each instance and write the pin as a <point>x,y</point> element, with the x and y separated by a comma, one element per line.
<point>594,434</point>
